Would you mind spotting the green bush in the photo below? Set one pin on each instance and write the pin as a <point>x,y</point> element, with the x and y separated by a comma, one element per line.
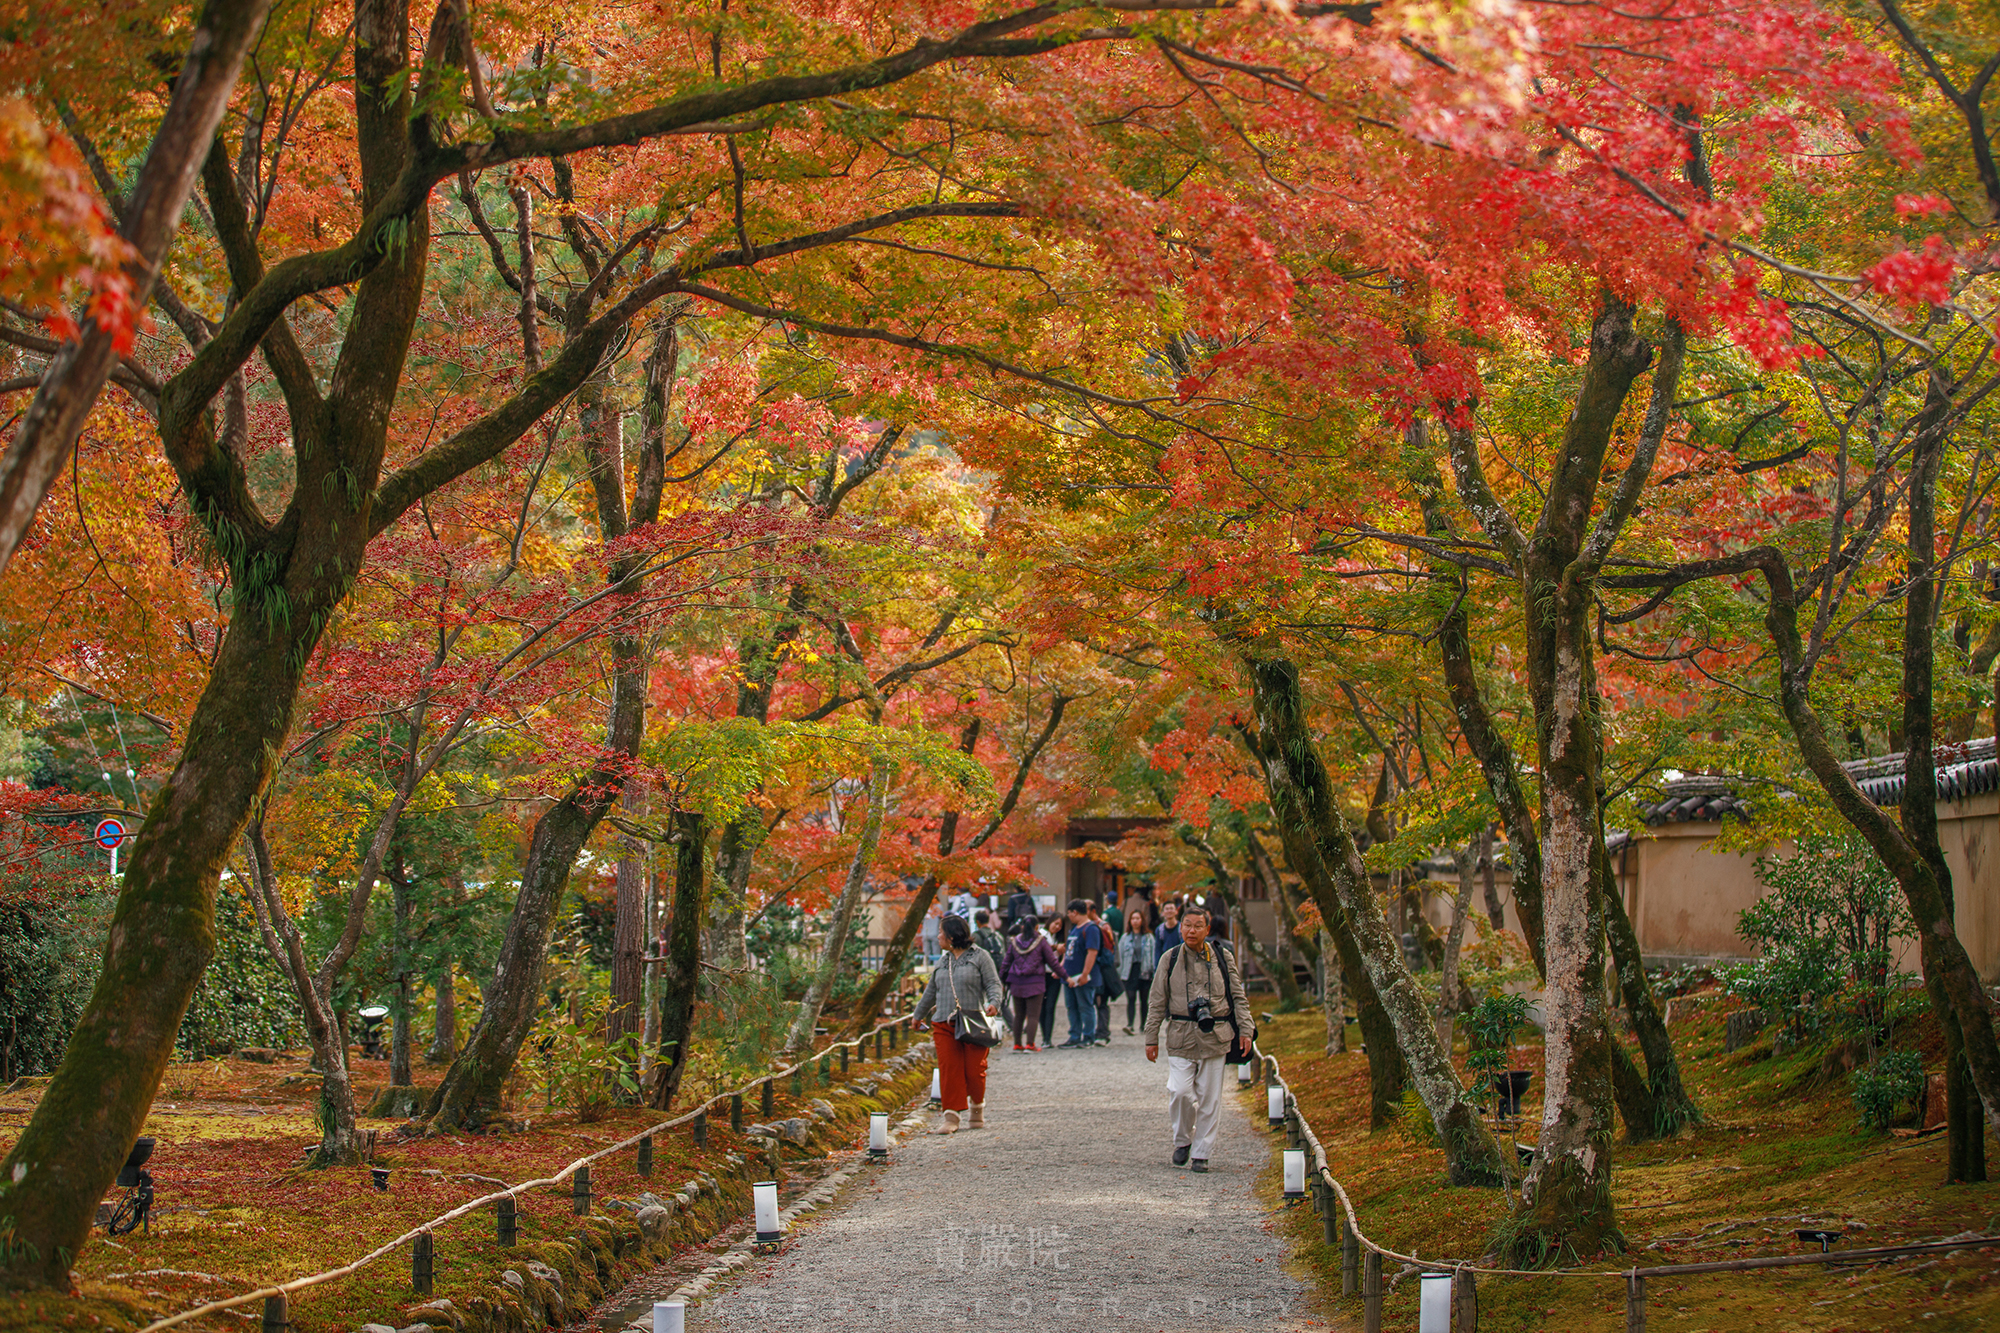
<point>1883,1088</point>
<point>1823,931</point>
<point>243,999</point>
<point>49,955</point>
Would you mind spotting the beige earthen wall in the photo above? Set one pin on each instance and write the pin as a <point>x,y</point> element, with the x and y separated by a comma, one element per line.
<point>1684,897</point>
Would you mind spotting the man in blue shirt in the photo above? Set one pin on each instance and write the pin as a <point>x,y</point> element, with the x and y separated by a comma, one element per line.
<point>1080,953</point>
<point>1169,933</point>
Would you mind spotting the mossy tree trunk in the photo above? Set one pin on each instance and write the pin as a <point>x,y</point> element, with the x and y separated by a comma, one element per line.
<point>680,969</point>
<point>287,578</point>
<point>1297,781</point>
<point>1566,1200</point>
<point>1656,1102</point>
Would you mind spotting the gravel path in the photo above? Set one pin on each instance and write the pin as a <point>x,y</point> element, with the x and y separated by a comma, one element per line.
<point>1062,1213</point>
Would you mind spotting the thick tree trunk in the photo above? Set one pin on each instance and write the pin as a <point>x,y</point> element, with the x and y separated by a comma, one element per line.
<point>1388,1072</point>
<point>1297,782</point>
<point>444,1021</point>
<point>162,935</point>
<point>680,971</point>
<point>733,860</point>
<point>1567,1194</point>
<point>628,935</point>
<point>800,1039</point>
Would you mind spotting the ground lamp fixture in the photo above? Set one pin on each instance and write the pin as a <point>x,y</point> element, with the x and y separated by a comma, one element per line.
<point>1295,1174</point>
<point>1434,1303</point>
<point>381,1175</point>
<point>669,1317</point>
<point>1275,1096</point>
<point>937,1093</point>
<point>1825,1238</point>
<point>1243,1074</point>
<point>371,1030</point>
<point>878,1136</point>
<point>769,1230</point>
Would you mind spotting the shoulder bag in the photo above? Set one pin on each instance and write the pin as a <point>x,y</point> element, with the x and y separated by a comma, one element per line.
<point>974,1029</point>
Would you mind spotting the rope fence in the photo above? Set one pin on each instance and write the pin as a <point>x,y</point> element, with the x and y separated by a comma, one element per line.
<point>1352,1242</point>
<point>283,1290</point>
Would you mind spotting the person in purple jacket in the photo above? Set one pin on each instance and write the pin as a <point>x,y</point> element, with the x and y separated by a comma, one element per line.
<point>1031,962</point>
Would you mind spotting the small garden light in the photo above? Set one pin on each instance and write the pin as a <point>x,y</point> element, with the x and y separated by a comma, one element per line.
<point>1243,1075</point>
<point>669,1317</point>
<point>1434,1304</point>
<point>878,1136</point>
<point>381,1175</point>
<point>937,1088</point>
<point>769,1230</point>
<point>1295,1174</point>
<point>1275,1097</point>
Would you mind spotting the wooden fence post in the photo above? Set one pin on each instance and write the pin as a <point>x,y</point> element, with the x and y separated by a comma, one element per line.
<point>506,1221</point>
<point>1464,1302</point>
<point>1329,1212</point>
<point>798,1083</point>
<point>579,1192</point>
<point>1635,1304</point>
<point>765,1106</point>
<point>1350,1259</point>
<point>843,1062</point>
<point>423,1263</point>
<point>646,1156</point>
<point>277,1315</point>
<point>701,1129</point>
<point>735,1113</point>
<point>1371,1293</point>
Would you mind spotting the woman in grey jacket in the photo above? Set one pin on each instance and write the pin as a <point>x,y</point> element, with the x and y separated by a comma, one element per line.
<point>967,976</point>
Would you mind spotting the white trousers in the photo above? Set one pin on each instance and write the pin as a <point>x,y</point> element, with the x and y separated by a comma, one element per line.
<point>1194,1102</point>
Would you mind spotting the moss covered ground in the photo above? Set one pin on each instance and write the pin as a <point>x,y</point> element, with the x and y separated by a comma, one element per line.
<point>1783,1148</point>
<point>234,1209</point>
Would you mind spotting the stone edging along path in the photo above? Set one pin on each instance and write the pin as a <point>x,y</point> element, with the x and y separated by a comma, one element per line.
<point>560,1282</point>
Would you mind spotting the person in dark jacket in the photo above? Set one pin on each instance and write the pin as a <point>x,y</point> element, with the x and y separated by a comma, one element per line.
<point>1030,973</point>
<point>1020,907</point>
<point>989,939</point>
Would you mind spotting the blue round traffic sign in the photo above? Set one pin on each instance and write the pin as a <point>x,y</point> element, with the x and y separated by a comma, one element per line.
<point>110,832</point>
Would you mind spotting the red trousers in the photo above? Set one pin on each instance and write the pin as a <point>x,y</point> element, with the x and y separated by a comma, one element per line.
<point>961,1069</point>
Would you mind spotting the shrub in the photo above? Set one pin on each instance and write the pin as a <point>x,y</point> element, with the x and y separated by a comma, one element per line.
<point>1883,1088</point>
<point>1823,930</point>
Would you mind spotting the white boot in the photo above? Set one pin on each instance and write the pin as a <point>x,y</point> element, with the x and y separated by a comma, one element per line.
<point>950,1125</point>
<point>978,1116</point>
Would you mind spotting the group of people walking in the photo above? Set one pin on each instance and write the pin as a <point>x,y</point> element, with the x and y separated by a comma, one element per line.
<point>1182,988</point>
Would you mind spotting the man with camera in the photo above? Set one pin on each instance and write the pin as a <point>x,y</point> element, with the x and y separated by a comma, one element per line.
<point>1198,997</point>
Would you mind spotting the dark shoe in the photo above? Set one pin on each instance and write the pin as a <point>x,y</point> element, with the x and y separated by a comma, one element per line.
<point>1198,1164</point>
<point>1180,1155</point>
